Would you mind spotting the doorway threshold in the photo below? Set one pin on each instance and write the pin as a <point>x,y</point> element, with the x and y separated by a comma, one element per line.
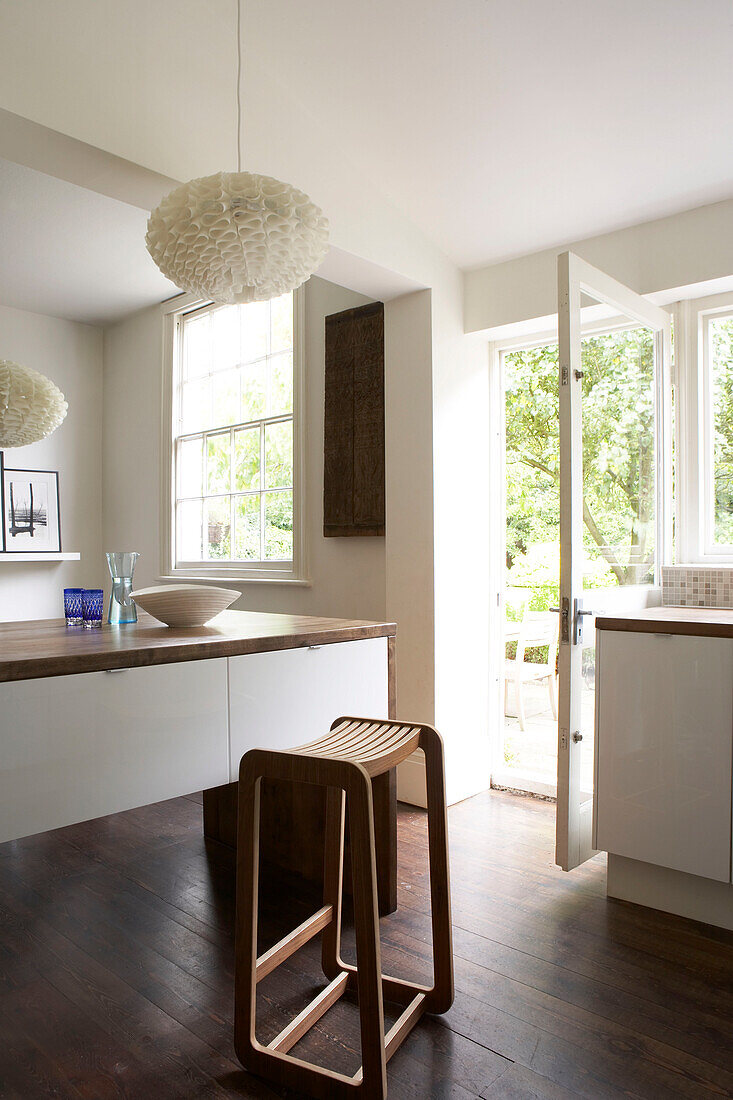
<point>509,779</point>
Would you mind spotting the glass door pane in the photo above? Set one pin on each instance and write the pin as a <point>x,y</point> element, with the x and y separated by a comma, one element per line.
<point>619,458</point>
<point>528,759</point>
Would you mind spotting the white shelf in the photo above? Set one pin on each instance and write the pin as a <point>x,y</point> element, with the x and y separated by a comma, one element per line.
<point>33,556</point>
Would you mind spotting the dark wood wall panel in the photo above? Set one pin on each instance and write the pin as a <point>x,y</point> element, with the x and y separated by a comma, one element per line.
<point>353,482</point>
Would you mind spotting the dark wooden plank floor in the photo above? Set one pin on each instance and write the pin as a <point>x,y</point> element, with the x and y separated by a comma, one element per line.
<point>116,969</point>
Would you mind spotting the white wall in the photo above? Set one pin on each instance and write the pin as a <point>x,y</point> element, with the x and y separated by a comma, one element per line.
<point>71,355</point>
<point>437,530</point>
<point>687,248</point>
<point>130,461</point>
<point>347,574</point>
<point>461,541</point>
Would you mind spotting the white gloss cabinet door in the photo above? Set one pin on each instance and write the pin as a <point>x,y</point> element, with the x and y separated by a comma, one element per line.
<point>664,747</point>
<point>282,699</point>
<point>79,747</point>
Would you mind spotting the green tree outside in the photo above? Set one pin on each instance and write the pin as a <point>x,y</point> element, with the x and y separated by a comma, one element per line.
<point>618,464</point>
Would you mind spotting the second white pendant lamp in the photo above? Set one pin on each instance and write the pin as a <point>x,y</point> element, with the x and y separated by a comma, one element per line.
<point>31,405</point>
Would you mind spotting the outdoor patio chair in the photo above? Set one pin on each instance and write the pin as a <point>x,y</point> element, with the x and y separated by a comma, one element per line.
<point>538,628</point>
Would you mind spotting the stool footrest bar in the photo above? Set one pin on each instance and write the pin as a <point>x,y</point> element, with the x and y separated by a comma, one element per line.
<point>289,944</point>
<point>305,1020</point>
<point>403,1025</point>
<point>393,989</point>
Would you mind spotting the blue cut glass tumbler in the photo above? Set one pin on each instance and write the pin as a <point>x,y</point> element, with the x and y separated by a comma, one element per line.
<point>121,605</point>
<point>92,601</point>
<point>72,606</point>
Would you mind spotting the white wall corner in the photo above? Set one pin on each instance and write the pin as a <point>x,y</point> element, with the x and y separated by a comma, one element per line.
<point>410,576</point>
<point>461,443</point>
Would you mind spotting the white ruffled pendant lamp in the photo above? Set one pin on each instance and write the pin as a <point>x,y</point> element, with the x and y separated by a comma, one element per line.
<point>237,236</point>
<point>31,406</point>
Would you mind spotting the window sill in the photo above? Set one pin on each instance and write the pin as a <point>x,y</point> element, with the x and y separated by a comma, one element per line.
<point>215,578</point>
<point>725,563</point>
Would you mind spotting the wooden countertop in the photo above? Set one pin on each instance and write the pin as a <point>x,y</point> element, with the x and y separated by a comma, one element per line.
<point>46,647</point>
<point>707,622</point>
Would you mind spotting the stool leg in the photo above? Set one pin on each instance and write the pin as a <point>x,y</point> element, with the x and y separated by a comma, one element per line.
<point>366,928</point>
<point>245,963</point>
<point>333,874</point>
<point>441,997</point>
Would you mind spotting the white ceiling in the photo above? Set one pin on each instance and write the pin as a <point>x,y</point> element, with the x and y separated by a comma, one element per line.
<point>502,127</point>
<point>495,127</point>
<point>72,253</point>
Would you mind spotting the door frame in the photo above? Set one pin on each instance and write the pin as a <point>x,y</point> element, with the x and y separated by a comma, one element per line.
<point>497,523</point>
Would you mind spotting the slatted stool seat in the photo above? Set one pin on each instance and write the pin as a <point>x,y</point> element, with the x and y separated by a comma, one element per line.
<point>344,761</point>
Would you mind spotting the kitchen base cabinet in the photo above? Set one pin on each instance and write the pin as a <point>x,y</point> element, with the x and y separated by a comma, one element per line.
<point>285,699</point>
<point>665,741</point>
<point>94,722</point>
<point>664,760</point>
<point>80,747</point>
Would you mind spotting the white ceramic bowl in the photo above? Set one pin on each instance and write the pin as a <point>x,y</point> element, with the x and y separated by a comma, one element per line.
<point>184,604</point>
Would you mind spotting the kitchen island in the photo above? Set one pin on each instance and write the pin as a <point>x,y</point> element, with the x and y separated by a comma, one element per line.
<point>93,722</point>
<point>664,759</point>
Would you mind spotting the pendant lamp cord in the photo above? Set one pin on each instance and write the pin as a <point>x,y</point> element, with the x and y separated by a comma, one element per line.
<point>239,85</point>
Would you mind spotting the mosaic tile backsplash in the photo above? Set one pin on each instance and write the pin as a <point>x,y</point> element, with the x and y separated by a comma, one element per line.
<point>696,586</point>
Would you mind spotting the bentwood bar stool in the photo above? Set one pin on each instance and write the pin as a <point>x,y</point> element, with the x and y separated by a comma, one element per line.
<point>343,761</point>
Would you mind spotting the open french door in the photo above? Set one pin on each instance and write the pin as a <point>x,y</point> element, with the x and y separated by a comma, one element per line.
<point>616,511</point>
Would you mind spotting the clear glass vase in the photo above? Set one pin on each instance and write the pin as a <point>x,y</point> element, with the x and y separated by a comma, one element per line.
<point>121,606</point>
